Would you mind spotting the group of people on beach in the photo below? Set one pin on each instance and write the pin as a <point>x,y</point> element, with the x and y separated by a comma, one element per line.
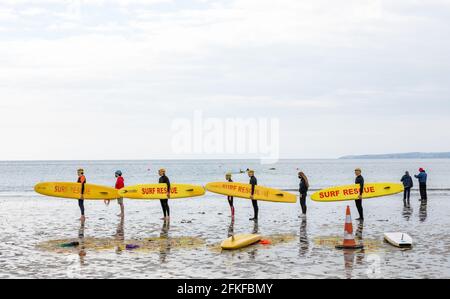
<point>407,181</point>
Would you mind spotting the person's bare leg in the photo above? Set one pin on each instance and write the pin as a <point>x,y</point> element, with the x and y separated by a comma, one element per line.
<point>122,210</point>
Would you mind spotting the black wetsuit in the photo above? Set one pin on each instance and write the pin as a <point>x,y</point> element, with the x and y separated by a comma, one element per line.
<point>82,181</point>
<point>230,198</point>
<point>303,194</point>
<point>254,183</point>
<point>360,181</point>
<point>165,202</point>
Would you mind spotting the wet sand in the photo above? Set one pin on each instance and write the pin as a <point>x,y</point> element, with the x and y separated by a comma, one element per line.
<point>34,227</point>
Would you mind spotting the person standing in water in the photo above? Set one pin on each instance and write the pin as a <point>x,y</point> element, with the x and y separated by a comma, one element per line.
<point>165,202</point>
<point>82,181</point>
<point>120,184</point>
<point>253,183</point>
<point>359,181</point>
<point>304,187</point>
<point>408,184</point>
<point>422,177</point>
<point>230,198</point>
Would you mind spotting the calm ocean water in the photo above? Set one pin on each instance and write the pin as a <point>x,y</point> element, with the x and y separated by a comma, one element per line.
<point>33,227</point>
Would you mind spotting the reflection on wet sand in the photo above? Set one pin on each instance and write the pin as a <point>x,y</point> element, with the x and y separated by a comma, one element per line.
<point>423,213</point>
<point>231,228</point>
<point>407,213</point>
<point>256,228</point>
<point>165,229</point>
<point>359,232</point>
<point>119,236</point>
<point>82,249</point>
<point>349,262</point>
<point>166,245</point>
<point>352,257</point>
<point>253,253</point>
<point>304,242</point>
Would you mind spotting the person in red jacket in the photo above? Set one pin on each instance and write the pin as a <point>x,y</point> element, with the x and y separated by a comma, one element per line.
<point>120,183</point>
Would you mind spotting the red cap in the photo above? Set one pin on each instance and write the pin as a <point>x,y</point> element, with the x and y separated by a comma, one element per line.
<point>421,170</point>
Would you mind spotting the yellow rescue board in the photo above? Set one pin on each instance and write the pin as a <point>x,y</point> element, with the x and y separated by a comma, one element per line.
<point>159,191</point>
<point>351,192</point>
<point>244,191</point>
<point>240,241</point>
<point>73,191</point>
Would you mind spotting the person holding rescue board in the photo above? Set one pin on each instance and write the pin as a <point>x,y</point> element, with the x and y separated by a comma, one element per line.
<point>359,181</point>
<point>120,184</point>
<point>304,186</point>
<point>229,179</point>
<point>165,202</point>
<point>253,183</point>
<point>81,180</point>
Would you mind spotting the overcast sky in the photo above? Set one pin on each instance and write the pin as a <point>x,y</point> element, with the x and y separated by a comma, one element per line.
<point>105,79</point>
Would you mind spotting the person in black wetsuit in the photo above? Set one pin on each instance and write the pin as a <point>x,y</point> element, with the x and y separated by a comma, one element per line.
<point>253,183</point>
<point>81,180</point>
<point>304,187</point>
<point>165,202</point>
<point>359,181</point>
<point>230,198</point>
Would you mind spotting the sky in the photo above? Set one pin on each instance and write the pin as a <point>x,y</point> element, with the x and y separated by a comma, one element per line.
<point>107,79</point>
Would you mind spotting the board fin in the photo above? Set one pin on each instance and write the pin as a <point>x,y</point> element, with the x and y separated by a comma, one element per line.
<point>280,194</point>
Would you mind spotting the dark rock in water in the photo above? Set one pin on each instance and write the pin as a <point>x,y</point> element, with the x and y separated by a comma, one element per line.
<point>68,245</point>
<point>131,246</point>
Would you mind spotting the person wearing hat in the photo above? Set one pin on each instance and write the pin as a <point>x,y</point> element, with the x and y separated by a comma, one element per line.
<point>422,177</point>
<point>253,183</point>
<point>230,198</point>
<point>408,184</point>
<point>359,181</point>
<point>165,202</point>
<point>81,180</point>
<point>120,184</point>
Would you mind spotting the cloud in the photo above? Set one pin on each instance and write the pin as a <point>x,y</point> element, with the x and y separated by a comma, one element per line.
<point>329,64</point>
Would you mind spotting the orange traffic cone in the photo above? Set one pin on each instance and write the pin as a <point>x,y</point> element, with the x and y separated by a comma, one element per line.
<point>349,239</point>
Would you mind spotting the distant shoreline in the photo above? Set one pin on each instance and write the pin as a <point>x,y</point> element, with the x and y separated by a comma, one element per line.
<point>418,155</point>
<point>355,157</point>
